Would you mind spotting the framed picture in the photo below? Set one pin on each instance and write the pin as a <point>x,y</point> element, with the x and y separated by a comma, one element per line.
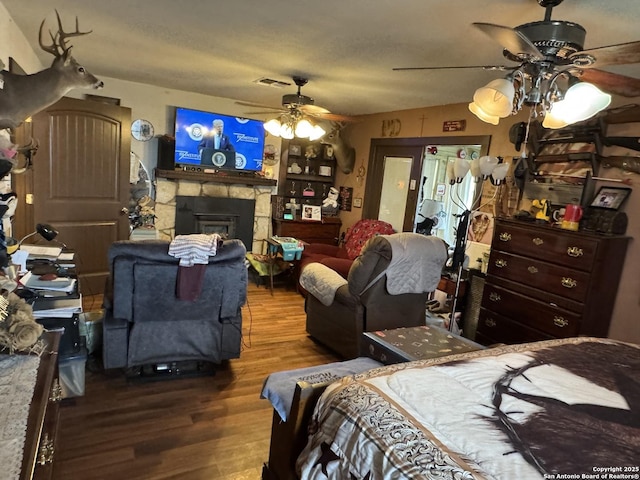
<point>295,149</point>
<point>328,152</point>
<point>312,212</point>
<point>357,202</point>
<point>610,198</point>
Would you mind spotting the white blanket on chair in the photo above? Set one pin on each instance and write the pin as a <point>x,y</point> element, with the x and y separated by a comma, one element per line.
<point>416,263</point>
<point>321,282</point>
<point>194,249</point>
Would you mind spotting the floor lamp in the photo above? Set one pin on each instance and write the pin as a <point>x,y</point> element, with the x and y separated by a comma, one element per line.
<point>481,169</point>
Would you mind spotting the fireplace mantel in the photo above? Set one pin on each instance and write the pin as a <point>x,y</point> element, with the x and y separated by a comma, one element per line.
<point>215,177</point>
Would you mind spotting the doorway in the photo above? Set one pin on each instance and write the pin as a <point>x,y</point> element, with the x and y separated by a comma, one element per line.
<point>406,172</point>
<point>79,182</point>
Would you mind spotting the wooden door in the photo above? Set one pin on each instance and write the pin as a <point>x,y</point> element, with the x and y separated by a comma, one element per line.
<point>81,180</point>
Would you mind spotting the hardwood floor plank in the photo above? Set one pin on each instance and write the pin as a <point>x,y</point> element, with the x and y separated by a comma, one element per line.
<point>206,428</point>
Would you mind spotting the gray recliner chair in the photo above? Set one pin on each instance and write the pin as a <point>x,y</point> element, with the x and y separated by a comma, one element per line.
<point>146,323</point>
<point>388,287</point>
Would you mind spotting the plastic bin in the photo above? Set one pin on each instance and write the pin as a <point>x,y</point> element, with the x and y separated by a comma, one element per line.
<point>291,251</point>
<point>71,372</point>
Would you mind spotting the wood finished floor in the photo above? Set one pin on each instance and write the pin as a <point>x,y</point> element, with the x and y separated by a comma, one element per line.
<point>213,428</point>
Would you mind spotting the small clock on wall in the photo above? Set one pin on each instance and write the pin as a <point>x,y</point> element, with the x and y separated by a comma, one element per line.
<point>142,130</point>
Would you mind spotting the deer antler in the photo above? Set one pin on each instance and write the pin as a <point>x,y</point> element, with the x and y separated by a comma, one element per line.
<point>58,47</point>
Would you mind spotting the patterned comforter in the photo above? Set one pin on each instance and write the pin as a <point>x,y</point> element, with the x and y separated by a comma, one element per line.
<point>556,409</point>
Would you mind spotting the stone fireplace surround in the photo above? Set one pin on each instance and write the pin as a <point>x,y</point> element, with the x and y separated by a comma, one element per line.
<point>168,189</point>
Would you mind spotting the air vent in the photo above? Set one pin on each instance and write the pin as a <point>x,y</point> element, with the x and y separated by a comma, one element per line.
<point>270,82</point>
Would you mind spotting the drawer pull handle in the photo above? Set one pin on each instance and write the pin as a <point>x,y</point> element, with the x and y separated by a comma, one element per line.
<point>501,263</point>
<point>505,236</point>
<point>532,269</point>
<point>537,241</point>
<point>568,282</point>
<point>56,392</point>
<point>494,297</point>
<point>490,322</point>
<point>574,251</point>
<point>560,322</point>
<point>45,452</point>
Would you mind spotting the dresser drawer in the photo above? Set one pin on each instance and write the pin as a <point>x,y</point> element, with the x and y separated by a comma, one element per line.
<point>555,246</point>
<point>536,314</point>
<point>494,328</point>
<point>556,279</point>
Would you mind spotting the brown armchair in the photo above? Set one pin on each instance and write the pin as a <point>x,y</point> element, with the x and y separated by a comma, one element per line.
<point>387,287</point>
<point>340,258</point>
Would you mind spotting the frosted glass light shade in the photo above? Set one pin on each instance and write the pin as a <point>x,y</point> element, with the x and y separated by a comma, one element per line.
<point>460,168</point>
<point>273,127</point>
<point>450,174</point>
<point>582,101</point>
<point>496,98</point>
<point>286,131</point>
<point>482,115</point>
<point>317,133</point>
<point>499,173</point>
<point>487,165</point>
<point>303,128</point>
<point>475,168</point>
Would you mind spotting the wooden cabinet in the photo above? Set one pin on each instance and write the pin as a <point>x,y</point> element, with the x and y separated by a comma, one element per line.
<point>327,231</point>
<point>42,423</point>
<point>544,282</point>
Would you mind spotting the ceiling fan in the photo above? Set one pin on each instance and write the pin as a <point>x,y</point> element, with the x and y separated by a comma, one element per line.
<point>550,49</point>
<point>299,105</point>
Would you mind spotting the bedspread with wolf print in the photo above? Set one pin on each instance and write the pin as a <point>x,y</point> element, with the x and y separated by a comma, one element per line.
<point>558,407</point>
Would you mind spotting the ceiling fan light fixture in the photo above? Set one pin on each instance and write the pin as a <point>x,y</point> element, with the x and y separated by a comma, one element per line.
<point>482,115</point>
<point>496,97</point>
<point>287,131</point>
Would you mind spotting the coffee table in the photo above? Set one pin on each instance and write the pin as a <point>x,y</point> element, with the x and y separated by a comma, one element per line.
<point>407,344</point>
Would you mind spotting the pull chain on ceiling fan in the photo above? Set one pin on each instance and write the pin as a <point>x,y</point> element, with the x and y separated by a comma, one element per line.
<point>554,75</point>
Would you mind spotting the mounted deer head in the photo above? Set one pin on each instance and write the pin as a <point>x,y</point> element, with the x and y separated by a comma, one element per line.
<point>345,154</point>
<point>24,95</point>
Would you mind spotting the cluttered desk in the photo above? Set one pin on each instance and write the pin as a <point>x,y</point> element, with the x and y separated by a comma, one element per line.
<point>46,279</point>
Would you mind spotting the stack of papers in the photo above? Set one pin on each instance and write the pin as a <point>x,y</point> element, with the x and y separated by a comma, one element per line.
<point>60,284</point>
<point>57,307</point>
<point>37,251</point>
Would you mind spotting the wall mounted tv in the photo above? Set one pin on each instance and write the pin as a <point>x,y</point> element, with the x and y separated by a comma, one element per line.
<point>239,148</point>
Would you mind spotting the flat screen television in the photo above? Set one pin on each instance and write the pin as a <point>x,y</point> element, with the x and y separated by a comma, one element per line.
<point>240,147</point>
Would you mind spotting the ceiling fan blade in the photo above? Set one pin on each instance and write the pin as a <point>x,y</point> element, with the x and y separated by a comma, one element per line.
<point>258,105</point>
<point>625,114</point>
<point>515,42</point>
<point>334,117</point>
<point>621,54</point>
<point>483,67</point>
<point>313,109</point>
<point>612,82</point>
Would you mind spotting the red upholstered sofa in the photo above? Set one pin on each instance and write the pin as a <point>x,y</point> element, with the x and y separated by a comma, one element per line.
<point>340,258</point>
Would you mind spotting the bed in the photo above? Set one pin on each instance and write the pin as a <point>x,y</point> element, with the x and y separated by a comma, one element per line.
<point>566,408</point>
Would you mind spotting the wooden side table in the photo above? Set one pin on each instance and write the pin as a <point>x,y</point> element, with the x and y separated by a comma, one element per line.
<point>407,344</point>
<point>274,249</point>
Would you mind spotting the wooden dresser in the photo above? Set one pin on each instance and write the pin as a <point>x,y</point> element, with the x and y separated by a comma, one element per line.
<point>42,423</point>
<point>326,231</point>
<point>544,282</point>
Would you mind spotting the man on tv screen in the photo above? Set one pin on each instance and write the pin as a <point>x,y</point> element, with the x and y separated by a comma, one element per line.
<point>216,139</point>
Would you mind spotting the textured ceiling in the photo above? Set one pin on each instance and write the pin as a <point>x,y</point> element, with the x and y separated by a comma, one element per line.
<point>347,48</point>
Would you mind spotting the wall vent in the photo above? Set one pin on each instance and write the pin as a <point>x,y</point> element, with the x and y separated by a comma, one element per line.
<point>270,82</point>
